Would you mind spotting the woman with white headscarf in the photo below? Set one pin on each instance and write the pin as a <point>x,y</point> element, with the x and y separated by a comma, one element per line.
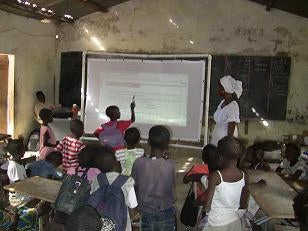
<point>227,115</point>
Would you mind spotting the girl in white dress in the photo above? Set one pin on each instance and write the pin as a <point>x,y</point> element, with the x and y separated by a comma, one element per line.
<point>227,115</point>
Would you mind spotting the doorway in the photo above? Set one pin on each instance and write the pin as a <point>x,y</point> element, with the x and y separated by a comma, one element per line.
<point>7,63</point>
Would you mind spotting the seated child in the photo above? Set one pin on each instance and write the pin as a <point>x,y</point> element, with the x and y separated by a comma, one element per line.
<point>86,218</point>
<point>227,190</point>
<point>47,137</point>
<point>46,168</point>
<point>111,133</point>
<point>23,218</point>
<point>86,161</point>
<point>111,193</point>
<point>128,155</point>
<point>155,183</point>
<point>254,157</point>
<point>70,146</point>
<point>292,166</point>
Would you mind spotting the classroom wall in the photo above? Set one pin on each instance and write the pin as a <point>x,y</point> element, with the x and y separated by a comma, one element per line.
<point>34,46</point>
<point>237,27</point>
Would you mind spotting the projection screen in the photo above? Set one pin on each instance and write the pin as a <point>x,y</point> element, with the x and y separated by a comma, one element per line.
<point>166,92</point>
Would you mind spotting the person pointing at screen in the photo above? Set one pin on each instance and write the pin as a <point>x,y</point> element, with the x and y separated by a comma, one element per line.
<point>227,115</point>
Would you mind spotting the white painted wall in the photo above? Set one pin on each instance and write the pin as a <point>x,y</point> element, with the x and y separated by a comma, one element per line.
<point>34,46</point>
<point>215,26</point>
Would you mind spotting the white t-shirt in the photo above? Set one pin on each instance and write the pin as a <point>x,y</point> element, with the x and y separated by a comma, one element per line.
<point>16,172</point>
<point>128,191</point>
<point>127,158</point>
<point>223,116</point>
<point>299,165</point>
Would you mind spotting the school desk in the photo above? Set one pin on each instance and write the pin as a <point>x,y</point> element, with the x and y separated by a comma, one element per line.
<point>37,187</point>
<point>275,198</point>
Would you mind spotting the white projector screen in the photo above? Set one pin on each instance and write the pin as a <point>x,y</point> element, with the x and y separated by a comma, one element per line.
<point>166,92</point>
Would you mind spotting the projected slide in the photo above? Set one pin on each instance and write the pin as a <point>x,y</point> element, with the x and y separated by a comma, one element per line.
<point>160,98</point>
<point>167,92</point>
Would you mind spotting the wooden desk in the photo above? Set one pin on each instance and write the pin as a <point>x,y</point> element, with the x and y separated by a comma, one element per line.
<point>37,187</point>
<point>275,198</point>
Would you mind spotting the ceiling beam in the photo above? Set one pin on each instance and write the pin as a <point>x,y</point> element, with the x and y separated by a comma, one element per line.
<point>96,5</point>
<point>35,11</point>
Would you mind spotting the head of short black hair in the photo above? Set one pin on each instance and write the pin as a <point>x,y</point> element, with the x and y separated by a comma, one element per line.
<point>16,148</point>
<point>45,114</point>
<point>40,96</point>
<point>112,112</point>
<point>54,157</point>
<point>300,206</point>
<point>294,148</point>
<point>230,148</point>
<point>211,157</point>
<point>85,218</point>
<point>132,136</point>
<point>159,137</point>
<point>104,159</point>
<point>77,127</point>
<point>86,156</point>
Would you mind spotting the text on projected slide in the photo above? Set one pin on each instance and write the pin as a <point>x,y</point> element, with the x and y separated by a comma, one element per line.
<point>160,98</point>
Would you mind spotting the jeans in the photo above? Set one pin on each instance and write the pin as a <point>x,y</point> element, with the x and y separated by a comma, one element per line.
<point>160,221</point>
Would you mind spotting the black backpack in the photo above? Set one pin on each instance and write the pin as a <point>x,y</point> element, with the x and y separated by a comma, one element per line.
<point>74,193</point>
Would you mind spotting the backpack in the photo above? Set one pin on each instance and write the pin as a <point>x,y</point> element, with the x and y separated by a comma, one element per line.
<point>74,193</point>
<point>111,136</point>
<point>109,200</point>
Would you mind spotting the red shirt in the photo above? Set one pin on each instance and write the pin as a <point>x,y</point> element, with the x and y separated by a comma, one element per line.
<point>122,125</point>
<point>70,147</point>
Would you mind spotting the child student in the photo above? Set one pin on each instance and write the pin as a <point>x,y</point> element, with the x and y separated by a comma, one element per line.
<point>211,162</point>
<point>128,155</point>
<point>155,183</point>
<point>227,190</point>
<point>111,133</point>
<point>26,218</point>
<point>47,137</point>
<point>86,218</point>
<point>121,187</point>
<point>46,168</point>
<point>70,146</point>
<point>292,167</point>
<point>86,161</point>
<point>254,157</point>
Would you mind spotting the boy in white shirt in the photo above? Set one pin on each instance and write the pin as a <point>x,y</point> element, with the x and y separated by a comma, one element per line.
<point>110,176</point>
<point>292,166</point>
<point>128,155</point>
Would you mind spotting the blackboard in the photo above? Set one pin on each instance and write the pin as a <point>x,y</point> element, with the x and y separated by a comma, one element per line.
<point>70,79</point>
<point>265,84</point>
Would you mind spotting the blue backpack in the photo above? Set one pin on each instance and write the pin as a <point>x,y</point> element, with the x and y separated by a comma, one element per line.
<point>109,200</point>
<point>111,136</point>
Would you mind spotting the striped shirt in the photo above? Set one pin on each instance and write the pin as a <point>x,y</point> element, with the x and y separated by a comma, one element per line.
<point>70,147</point>
<point>127,158</point>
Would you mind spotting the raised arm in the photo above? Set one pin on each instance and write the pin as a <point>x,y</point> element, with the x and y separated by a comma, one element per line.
<point>132,108</point>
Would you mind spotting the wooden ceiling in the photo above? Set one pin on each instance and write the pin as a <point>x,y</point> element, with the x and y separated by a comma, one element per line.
<point>55,10</point>
<point>297,7</point>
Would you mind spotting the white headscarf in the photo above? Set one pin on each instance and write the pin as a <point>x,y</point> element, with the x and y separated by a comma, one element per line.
<point>232,85</point>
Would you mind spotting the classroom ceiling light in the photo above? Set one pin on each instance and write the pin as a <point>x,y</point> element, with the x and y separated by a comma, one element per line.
<point>191,42</point>
<point>190,159</point>
<point>43,9</point>
<point>253,110</point>
<point>181,170</point>
<point>57,36</point>
<point>68,16</point>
